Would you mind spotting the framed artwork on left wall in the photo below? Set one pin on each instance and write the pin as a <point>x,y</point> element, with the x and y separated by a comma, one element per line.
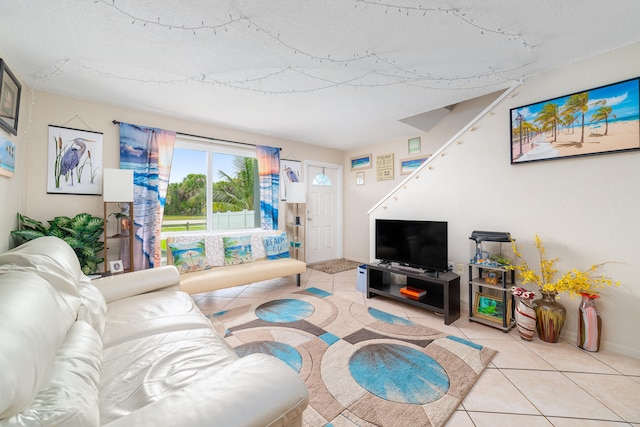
<point>74,161</point>
<point>7,158</point>
<point>10,89</point>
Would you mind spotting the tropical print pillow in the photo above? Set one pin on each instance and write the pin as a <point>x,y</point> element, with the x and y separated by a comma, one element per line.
<point>190,256</point>
<point>237,249</point>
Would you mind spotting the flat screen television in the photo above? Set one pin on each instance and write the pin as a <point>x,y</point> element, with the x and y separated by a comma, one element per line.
<point>418,244</point>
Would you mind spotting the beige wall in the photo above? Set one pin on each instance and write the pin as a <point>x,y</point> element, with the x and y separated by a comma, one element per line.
<point>10,188</point>
<point>62,111</point>
<point>584,209</point>
<point>359,199</point>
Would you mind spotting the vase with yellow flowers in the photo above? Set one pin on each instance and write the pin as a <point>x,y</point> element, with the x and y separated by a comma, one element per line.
<point>551,314</point>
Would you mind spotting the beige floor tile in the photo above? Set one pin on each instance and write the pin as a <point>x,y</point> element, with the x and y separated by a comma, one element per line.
<point>490,419</point>
<point>556,395</point>
<point>494,392</point>
<point>578,422</point>
<point>459,419</point>
<point>565,356</point>
<point>624,364</point>
<point>267,283</point>
<point>344,286</point>
<point>514,354</point>
<point>349,276</point>
<point>475,331</point>
<point>616,392</point>
<point>319,276</point>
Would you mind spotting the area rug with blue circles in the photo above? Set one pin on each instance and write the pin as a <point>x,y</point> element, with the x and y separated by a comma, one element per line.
<point>362,366</point>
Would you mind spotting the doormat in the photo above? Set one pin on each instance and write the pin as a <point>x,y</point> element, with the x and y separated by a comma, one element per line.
<point>334,266</point>
<point>362,366</point>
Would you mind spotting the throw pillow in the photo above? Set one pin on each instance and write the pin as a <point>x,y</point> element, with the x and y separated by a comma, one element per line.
<point>237,249</point>
<point>190,256</point>
<point>276,246</point>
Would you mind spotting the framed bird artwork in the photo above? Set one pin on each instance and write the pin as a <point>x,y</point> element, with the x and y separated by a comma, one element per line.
<point>74,161</point>
<point>289,172</point>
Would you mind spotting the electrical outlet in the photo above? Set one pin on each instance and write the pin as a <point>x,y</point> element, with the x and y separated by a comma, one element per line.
<point>460,269</point>
<point>451,265</point>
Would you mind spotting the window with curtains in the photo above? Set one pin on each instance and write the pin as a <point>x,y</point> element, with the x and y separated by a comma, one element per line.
<point>228,170</point>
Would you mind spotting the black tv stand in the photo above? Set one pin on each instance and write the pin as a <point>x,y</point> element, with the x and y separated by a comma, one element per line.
<point>443,289</point>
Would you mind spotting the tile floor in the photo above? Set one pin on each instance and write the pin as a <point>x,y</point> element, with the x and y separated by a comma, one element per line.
<point>527,383</point>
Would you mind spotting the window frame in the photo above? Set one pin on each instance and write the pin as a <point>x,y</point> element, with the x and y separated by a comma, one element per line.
<point>213,146</point>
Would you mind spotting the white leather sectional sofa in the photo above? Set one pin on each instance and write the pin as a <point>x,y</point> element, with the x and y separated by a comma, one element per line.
<point>125,350</point>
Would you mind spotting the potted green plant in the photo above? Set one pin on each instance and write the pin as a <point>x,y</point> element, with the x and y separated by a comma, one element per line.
<point>81,232</point>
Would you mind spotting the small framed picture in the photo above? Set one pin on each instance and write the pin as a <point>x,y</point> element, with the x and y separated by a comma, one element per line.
<point>359,178</point>
<point>414,145</point>
<point>492,308</point>
<point>10,89</point>
<point>361,162</point>
<point>116,267</point>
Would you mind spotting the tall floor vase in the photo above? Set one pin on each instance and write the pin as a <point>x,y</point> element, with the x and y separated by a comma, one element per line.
<point>589,323</point>
<point>525,320</point>
<point>550,315</point>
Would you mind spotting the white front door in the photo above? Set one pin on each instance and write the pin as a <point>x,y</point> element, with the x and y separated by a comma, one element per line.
<point>324,211</point>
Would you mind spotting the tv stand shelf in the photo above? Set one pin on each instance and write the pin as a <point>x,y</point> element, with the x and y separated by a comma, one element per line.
<point>443,290</point>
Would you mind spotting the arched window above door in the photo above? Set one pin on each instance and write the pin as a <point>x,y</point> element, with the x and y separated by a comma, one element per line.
<point>322,179</point>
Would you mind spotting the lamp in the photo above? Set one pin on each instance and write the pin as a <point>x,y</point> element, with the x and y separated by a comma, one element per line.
<point>117,185</point>
<point>296,193</point>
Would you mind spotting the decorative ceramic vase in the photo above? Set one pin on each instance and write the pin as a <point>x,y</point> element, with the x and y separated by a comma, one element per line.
<point>525,319</point>
<point>550,316</point>
<point>589,323</point>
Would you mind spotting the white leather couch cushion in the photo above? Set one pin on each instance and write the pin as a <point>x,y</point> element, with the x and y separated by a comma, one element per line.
<point>249,393</point>
<point>150,314</point>
<point>93,308</point>
<point>147,369</point>
<point>70,398</point>
<point>53,260</point>
<point>30,339</point>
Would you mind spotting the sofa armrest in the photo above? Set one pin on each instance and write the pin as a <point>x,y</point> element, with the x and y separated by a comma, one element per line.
<point>119,286</point>
<point>254,391</point>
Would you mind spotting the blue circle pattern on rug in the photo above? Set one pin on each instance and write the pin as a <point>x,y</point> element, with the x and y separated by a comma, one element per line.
<point>399,374</point>
<point>284,352</point>
<point>284,310</point>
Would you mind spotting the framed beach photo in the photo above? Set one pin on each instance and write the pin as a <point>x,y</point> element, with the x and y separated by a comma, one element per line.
<point>361,162</point>
<point>595,121</point>
<point>7,158</point>
<point>10,89</point>
<point>409,165</point>
<point>491,308</point>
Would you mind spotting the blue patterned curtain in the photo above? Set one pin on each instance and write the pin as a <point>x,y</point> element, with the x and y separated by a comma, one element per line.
<point>269,175</point>
<point>148,152</point>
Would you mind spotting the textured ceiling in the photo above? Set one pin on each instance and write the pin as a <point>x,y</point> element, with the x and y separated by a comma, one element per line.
<point>338,73</point>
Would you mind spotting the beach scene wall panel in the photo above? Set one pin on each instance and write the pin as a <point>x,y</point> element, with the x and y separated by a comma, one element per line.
<point>595,121</point>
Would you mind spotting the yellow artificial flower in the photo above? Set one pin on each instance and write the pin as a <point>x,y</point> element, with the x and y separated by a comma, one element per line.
<point>575,282</point>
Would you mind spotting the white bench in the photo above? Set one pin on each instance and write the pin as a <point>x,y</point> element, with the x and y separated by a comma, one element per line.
<point>221,276</point>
